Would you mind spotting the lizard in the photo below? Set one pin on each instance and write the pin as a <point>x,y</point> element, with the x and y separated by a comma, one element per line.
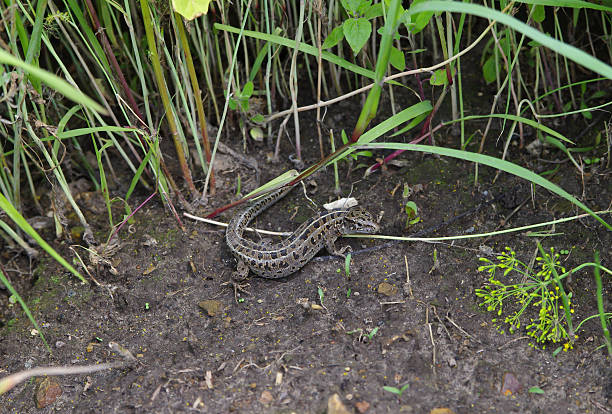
<point>277,260</point>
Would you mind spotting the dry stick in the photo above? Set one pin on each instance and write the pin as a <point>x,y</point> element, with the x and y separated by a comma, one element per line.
<point>319,73</point>
<point>461,329</point>
<point>388,78</point>
<point>12,380</point>
<point>281,128</point>
<point>293,81</point>
<point>408,278</point>
<point>510,86</point>
<point>433,343</point>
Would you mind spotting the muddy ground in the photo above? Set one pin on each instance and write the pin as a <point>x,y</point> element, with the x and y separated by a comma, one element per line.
<point>273,351</point>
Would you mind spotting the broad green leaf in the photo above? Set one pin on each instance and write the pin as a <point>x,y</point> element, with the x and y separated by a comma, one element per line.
<point>248,89</point>
<point>438,78</point>
<point>364,6</point>
<point>417,22</point>
<point>373,11</point>
<point>539,13</point>
<point>190,9</point>
<point>334,38</point>
<point>488,70</point>
<point>397,59</point>
<point>357,32</point>
<point>351,6</point>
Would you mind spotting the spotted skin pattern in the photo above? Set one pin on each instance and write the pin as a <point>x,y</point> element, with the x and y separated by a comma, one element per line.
<point>277,260</point>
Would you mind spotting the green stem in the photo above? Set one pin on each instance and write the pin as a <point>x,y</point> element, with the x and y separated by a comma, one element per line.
<point>564,298</point>
<point>371,105</point>
<point>197,94</point>
<point>600,308</point>
<point>163,91</point>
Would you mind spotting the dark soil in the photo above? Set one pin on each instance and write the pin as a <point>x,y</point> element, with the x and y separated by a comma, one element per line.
<point>274,352</point>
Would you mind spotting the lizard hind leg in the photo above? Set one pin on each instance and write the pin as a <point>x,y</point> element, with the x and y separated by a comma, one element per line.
<point>330,245</point>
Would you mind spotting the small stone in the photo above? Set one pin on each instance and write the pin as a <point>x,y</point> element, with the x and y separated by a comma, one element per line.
<point>335,405</point>
<point>47,391</point>
<point>362,406</point>
<point>510,385</point>
<point>387,289</point>
<point>212,307</point>
<point>266,397</point>
<point>442,410</point>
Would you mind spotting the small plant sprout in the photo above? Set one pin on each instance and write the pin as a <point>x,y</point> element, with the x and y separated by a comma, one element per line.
<point>395,390</point>
<point>412,211</point>
<point>321,295</point>
<point>369,335</point>
<point>347,265</point>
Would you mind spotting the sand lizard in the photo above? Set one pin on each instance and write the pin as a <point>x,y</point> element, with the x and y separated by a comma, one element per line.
<point>276,260</point>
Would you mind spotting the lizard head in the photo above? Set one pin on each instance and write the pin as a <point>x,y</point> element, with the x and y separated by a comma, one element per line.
<point>359,220</point>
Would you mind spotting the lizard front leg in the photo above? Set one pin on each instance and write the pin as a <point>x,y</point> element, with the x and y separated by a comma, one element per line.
<point>238,279</point>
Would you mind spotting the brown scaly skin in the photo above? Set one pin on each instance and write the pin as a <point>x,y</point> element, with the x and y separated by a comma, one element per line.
<point>277,260</point>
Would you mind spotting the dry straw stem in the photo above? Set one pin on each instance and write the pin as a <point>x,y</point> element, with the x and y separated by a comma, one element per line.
<point>12,380</point>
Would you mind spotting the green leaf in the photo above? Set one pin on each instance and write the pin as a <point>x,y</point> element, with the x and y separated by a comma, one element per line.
<point>232,104</point>
<point>397,59</point>
<point>417,120</point>
<point>488,70</point>
<point>334,38</point>
<point>539,13</point>
<point>351,6</point>
<point>417,22</point>
<point>247,91</point>
<point>411,209</point>
<point>392,390</point>
<point>258,118</point>
<point>357,32</point>
<point>438,78</point>
<point>190,9</point>
<point>347,265</point>
<point>373,11</point>
<point>536,390</point>
<point>364,6</point>
<point>576,4</point>
<point>344,137</point>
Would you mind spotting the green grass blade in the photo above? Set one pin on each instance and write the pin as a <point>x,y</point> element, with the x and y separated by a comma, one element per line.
<point>305,48</point>
<point>25,226</point>
<point>56,83</point>
<point>571,52</point>
<point>520,119</point>
<point>574,4</point>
